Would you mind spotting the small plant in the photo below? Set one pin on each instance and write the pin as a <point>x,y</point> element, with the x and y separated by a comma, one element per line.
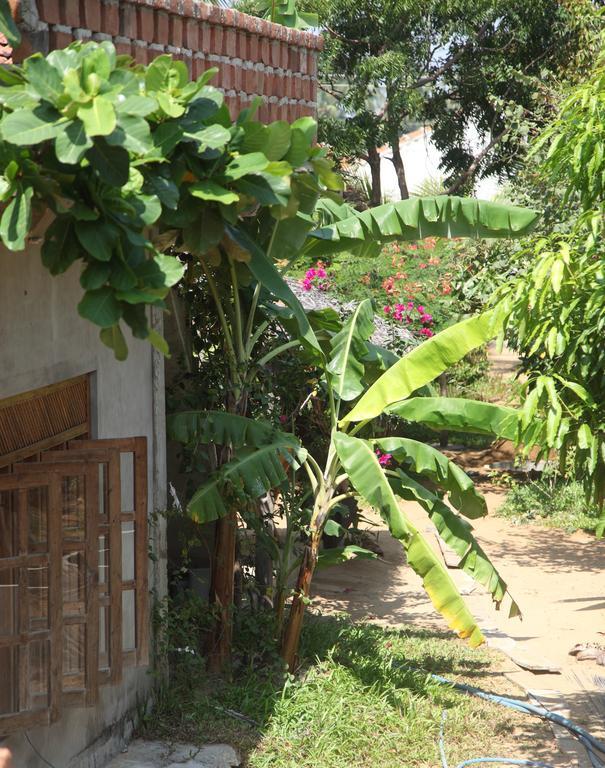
<point>552,501</point>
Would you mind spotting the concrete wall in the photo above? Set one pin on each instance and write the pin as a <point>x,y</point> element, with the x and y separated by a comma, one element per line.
<point>42,341</point>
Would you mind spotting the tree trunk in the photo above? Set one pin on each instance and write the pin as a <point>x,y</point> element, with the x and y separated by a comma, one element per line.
<point>374,163</point>
<point>399,169</point>
<point>291,638</point>
<point>222,592</point>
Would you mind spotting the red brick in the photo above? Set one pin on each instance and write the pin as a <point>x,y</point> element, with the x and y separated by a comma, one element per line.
<point>140,54</point>
<point>263,83</point>
<point>227,77</point>
<point>56,40</point>
<point>123,49</point>
<point>91,16</point>
<point>253,47</point>
<point>238,79</point>
<point>298,88</point>
<point>241,47</point>
<point>265,50</point>
<point>312,63</point>
<point>249,81</point>
<point>263,112</point>
<point>307,90</point>
<point>175,33</point>
<point>230,43</point>
<point>274,53</point>
<point>70,13</point>
<point>294,60</point>
<point>228,17</point>
<point>198,66</point>
<point>50,11</point>
<point>191,38</point>
<point>128,20</point>
<point>205,38</point>
<point>216,40</point>
<point>146,24</point>
<point>110,18</point>
<point>284,55</point>
<point>162,28</point>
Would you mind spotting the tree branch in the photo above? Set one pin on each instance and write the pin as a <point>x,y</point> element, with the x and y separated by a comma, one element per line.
<point>472,169</point>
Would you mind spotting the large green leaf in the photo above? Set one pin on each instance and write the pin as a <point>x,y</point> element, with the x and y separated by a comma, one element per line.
<point>419,217</point>
<point>16,218</point>
<point>101,307</point>
<point>457,534</point>
<point>459,415</point>
<point>8,28</point>
<point>368,479</point>
<point>221,428</point>
<point>26,126</point>
<point>266,273</point>
<point>98,116</point>
<point>338,555</point>
<point>431,463</point>
<point>253,470</point>
<point>348,350</point>
<point>423,364</point>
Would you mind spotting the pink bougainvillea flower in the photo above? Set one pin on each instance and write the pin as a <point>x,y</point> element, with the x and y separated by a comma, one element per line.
<point>422,265</point>
<point>283,418</point>
<point>387,309</point>
<point>384,459</point>
<point>426,332</point>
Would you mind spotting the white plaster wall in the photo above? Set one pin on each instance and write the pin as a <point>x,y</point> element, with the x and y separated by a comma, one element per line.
<point>43,340</point>
<point>421,160</point>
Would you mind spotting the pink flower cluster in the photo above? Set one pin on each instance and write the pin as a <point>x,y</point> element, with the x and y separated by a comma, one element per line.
<point>384,459</point>
<point>414,316</point>
<point>316,277</point>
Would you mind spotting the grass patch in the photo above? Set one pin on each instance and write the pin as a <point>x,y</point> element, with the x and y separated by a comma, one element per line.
<point>349,705</point>
<point>551,502</point>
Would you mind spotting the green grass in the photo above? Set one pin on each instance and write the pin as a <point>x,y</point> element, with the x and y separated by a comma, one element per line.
<point>552,503</point>
<point>350,705</point>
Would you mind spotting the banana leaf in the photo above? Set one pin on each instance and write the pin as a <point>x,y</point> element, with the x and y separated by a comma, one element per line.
<point>265,272</point>
<point>419,217</point>
<point>423,365</point>
<point>253,471</point>
<point>457,534</point>
<point>368,479</point>
<point>460,415</point>
<point>429,462</point>
<point>349,348</point>
<point>221,428</point>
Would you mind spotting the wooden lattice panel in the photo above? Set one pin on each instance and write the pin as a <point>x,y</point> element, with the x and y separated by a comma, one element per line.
<point>38,420</point>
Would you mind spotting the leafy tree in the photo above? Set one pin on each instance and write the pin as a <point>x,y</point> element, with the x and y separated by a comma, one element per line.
<point>493,66</point>
<point>556,306</point>
<point>258,456</point>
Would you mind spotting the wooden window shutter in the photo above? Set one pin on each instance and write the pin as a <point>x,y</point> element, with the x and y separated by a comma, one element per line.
<point>38,420</point>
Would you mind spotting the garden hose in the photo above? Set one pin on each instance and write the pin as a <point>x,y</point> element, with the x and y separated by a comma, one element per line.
<point>589,742</point>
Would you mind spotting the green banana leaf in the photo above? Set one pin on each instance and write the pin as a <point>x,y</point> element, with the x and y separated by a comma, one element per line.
<point>346,366</point>
<point>253,470</point>
<point>431,463</point>
<point>265,272</point>
<point>419,217</point>
<point>368,479</point>
<point>423,364</point>
<point>221,428</point>
<point>338,555</point>
<point>460,415</point>
<point>457,534</point>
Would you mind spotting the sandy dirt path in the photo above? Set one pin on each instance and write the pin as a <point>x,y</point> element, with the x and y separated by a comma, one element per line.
<point>558,579</point>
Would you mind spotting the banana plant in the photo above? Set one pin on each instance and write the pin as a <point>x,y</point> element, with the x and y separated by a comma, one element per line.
<point>254,255</point>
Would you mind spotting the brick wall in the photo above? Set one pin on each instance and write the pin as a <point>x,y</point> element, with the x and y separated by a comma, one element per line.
<point>254,57</point>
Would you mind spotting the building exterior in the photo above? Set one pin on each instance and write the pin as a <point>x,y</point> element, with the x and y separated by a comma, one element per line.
<point>82,436</point>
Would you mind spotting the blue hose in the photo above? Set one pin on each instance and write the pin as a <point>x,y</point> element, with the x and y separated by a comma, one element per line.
<point>589,742</point>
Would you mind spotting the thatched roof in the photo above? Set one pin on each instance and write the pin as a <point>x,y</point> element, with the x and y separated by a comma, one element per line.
<point>384,331</point>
